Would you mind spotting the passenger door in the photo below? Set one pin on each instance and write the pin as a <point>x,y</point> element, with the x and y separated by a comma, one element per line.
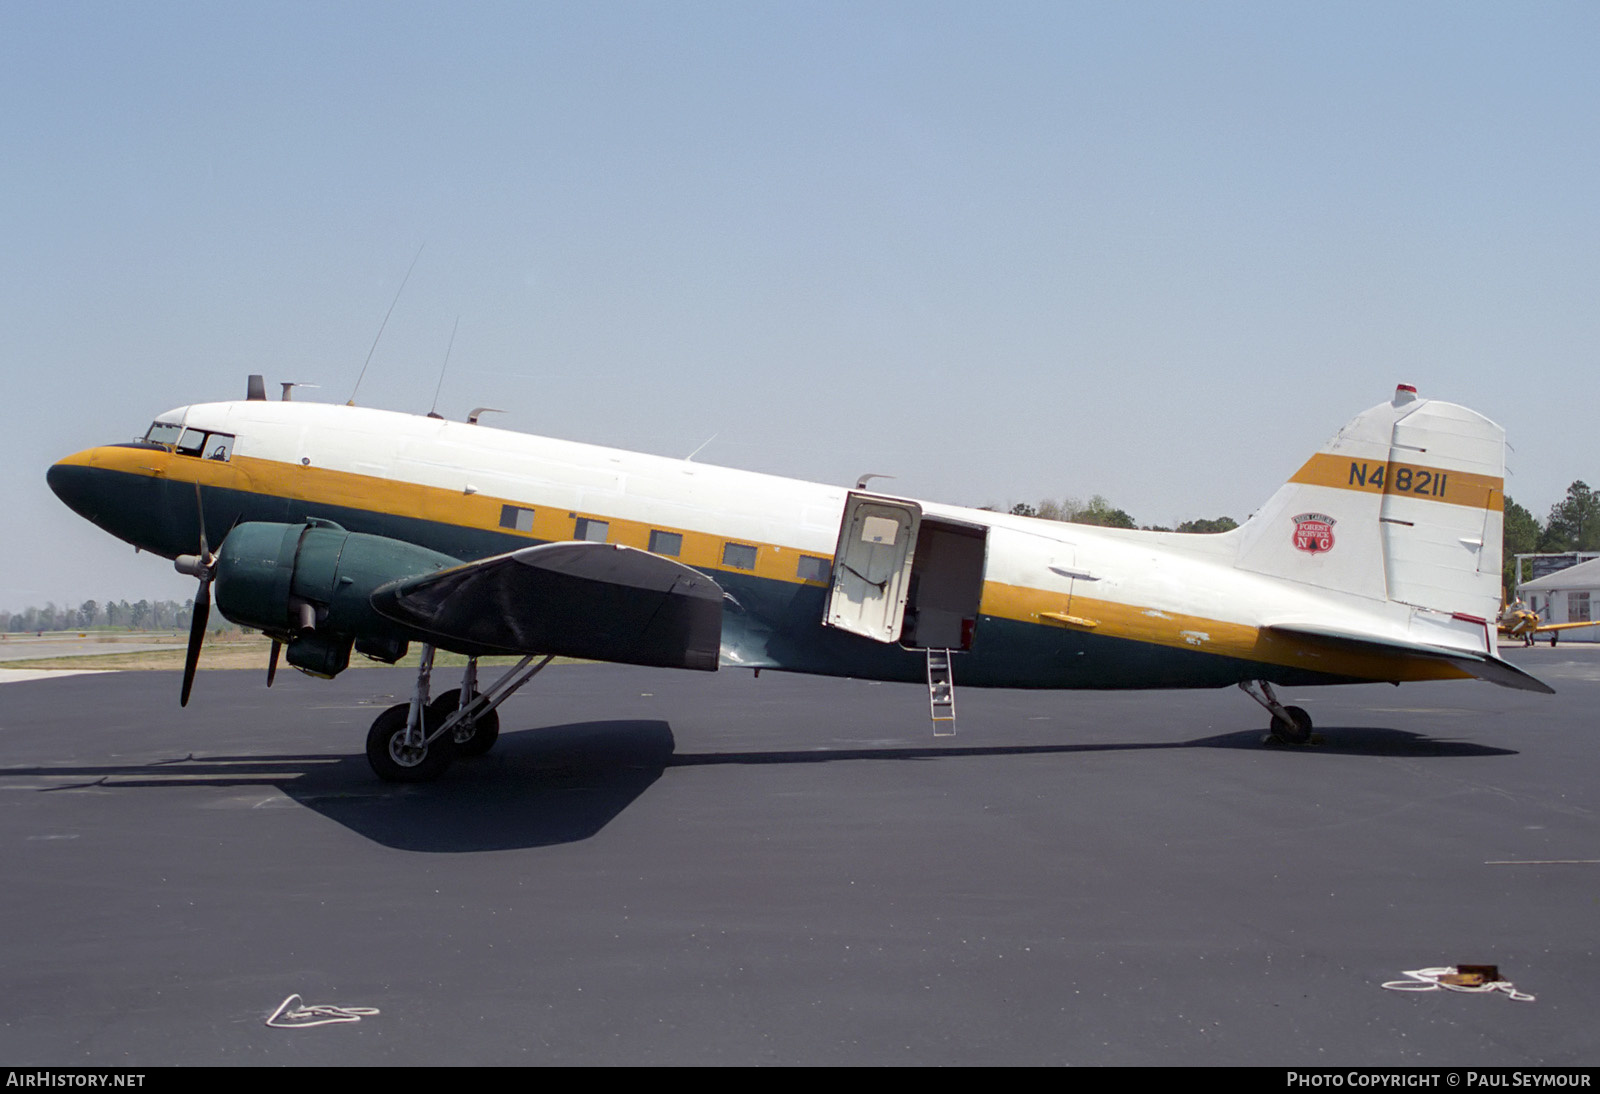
<point>872,566</point>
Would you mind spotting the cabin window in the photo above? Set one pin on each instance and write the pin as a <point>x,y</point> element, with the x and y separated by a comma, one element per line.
<point>210,446</point>
<point>1578,607</point>
<point>592,530</point>
<point>665,543</point>
<point>882,530</point>
<point>740,556</point>
<point>813,568</point>
<point>516,517</point>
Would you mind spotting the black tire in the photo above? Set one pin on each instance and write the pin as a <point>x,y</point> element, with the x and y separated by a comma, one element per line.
<point>1296,733</point>
<point>394,763</point>
<point>474,738</point>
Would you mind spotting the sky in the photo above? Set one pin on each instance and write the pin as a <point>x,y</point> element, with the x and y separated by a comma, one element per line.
<point>1003,251</point>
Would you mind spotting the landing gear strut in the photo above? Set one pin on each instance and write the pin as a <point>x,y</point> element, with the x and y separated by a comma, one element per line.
<point>415,741</point>
<point>478,727</point>
<point>1290,725</point>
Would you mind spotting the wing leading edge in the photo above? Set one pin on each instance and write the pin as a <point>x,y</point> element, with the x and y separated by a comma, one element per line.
<point>593,600</point>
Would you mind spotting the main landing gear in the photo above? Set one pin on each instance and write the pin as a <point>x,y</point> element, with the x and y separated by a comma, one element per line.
<point>414,742</point>
<point>1290,725</point>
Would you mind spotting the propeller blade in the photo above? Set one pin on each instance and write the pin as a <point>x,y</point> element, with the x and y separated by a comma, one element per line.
<point>272,662</point>
<point>197,634</point>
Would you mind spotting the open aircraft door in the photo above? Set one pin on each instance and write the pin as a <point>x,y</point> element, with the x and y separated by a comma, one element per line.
<point>902,576</point>
<point>872,566</point>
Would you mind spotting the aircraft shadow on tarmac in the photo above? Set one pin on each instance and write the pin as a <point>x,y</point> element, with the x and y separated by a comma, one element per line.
<point>1342,740</point>
<point>563,784</point>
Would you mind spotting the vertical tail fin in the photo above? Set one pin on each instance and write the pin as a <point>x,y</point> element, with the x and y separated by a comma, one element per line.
<point>1405,505</point>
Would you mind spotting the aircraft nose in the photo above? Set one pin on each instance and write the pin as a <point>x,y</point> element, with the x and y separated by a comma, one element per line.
<point>73,481</point>
<point>120,487</point>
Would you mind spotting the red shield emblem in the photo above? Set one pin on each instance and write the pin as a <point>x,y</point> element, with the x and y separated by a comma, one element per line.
<point>1313,533</point>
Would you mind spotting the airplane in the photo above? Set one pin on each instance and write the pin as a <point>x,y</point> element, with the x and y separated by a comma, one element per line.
<point>349,528</point>
<point>1517,621</point>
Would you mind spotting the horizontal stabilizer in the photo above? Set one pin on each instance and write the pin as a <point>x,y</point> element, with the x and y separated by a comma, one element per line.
<point>593,600</point>
<point>1484,666</point>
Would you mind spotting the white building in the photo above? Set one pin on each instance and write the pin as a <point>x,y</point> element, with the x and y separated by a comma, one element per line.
<point>1567,596</point>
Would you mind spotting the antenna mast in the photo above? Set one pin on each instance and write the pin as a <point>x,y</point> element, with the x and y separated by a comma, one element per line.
<point>433,411</point>
<point>383,324</point>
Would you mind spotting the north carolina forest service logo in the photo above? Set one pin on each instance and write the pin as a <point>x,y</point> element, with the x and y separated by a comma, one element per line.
<point>1313,533</point>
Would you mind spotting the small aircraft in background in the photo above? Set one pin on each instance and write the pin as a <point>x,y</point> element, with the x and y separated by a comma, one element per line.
<point>1516,620</point>
<point>351,529</point>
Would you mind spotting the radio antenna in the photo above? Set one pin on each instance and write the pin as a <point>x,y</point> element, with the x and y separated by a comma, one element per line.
<point>690,457</point>
<point>433,411</point>
<point>383,324</point>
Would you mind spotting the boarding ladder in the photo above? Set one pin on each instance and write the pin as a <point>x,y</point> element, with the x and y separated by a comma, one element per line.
<point>941,693</point>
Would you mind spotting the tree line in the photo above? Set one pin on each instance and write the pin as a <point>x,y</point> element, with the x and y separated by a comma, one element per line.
<point>1098,511</point>
<point>143,615</point>
<point>1573,525</point>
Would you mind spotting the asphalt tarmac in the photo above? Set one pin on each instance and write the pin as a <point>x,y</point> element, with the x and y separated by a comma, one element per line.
<point>686,868</point>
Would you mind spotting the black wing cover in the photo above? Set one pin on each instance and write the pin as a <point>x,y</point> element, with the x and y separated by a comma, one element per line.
<point>592,600</point>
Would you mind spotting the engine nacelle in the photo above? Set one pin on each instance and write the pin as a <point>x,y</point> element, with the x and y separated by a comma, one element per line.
<point>311,584</point>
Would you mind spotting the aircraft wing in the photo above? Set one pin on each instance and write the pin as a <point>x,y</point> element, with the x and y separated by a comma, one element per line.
<point>1484,666</point>
<point>1546,628</point>
<point>593,600</point>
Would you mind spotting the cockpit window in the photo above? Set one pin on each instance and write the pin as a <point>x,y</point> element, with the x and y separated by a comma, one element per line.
<point>163,433</point>
<point>210,446</point>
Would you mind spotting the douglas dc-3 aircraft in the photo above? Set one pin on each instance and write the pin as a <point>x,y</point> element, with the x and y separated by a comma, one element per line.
<point>1379,560</point>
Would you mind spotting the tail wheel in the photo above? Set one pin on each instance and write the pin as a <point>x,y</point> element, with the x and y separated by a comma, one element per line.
<point>1297,732</point>
<point>472,738</point>
<point>395,761</point>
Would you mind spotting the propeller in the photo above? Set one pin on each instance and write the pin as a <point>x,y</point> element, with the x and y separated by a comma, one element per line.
<point>202,566</point>
<point>272,661</point>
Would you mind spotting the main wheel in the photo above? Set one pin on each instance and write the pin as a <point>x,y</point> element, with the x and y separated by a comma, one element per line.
<point>1296,733</point>
<point>395,761</point>
<point>473,738</point>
